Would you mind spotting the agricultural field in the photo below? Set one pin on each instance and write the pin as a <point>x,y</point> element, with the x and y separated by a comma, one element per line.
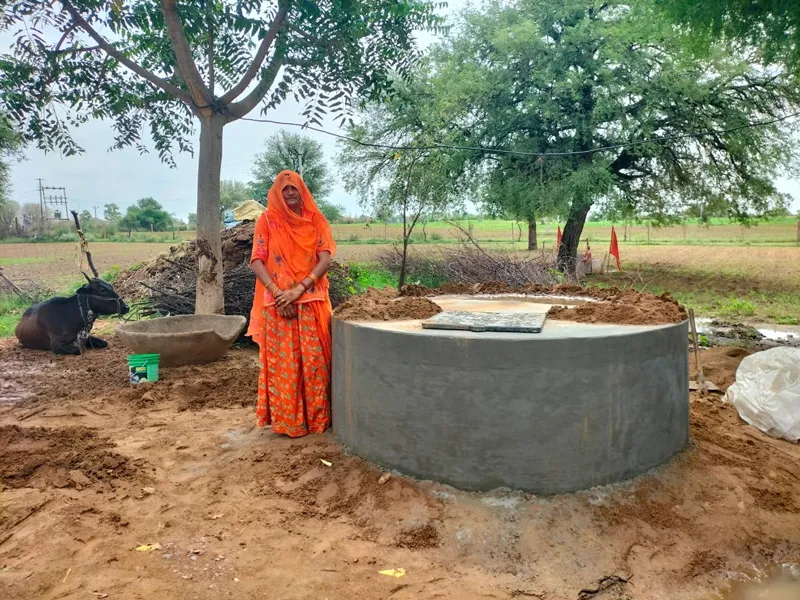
<point>56,264</point>
<point>777,232</point>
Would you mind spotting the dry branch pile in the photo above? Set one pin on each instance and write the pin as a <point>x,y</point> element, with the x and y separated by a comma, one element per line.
<point>470,264</point>
<point>167,284</point>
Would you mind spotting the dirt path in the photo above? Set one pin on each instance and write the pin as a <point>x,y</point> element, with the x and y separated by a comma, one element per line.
<point>91,469</point>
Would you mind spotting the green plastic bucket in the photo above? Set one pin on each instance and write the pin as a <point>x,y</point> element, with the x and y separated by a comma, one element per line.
<point>143,367</point>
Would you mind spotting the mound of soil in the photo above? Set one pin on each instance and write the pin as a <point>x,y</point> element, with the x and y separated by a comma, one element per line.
<point>386,305</point>
<point>68,456</point>
<point>719,364</point>
<point>419,537</point>
<point>628,308</point>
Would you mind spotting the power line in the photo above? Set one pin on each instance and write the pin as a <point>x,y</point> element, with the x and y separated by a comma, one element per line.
<point>698,134</point>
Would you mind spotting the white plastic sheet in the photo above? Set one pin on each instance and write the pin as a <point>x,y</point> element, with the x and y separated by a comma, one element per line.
<point>767,392</point>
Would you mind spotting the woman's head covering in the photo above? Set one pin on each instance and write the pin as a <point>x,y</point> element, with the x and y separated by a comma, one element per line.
<point>277,204</point>
<point>299,236</point>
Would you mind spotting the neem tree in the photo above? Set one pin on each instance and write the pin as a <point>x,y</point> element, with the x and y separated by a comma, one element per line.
<point>606,101</point>
<point>164,64</point>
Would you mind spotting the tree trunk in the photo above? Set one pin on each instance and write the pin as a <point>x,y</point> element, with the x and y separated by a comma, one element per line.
<point>402,279</point>
<point>533,242</point>
<point>209,239</point>
<point>406,234</point>
<point>571,237</point>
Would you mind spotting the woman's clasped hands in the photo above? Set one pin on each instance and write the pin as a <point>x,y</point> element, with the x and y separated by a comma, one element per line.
<point>285,299</point>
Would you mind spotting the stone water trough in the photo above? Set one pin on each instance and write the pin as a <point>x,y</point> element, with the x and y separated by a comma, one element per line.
<point>185,339</point>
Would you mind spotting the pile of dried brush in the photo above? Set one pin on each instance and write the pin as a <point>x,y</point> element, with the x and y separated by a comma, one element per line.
<point>167,284</point>
<point>470,264</point>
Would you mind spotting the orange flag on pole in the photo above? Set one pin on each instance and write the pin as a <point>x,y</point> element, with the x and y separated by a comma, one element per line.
<point>614,250</point>
<point>558,238</point>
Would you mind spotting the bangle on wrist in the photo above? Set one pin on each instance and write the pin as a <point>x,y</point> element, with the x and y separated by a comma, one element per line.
<point>314,279</point>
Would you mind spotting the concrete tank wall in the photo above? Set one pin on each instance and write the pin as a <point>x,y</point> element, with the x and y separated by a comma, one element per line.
<point>567,409</point>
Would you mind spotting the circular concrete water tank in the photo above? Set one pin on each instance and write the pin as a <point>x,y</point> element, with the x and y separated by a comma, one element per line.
<point>569,408</point>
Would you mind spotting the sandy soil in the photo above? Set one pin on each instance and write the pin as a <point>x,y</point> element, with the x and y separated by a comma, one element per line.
<point>92,471</point>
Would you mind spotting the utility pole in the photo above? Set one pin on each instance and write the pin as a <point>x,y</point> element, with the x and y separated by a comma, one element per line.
<point>41,206</point>
<point>57,202</point>
<point>95,207</point>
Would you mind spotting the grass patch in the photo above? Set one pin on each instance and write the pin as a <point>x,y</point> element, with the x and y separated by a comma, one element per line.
<point>786,320</point>
<point>11,309</point>
<point>23,260</point>
<point>372,276</point>
<point>110,276</point>
<point>736,308</point>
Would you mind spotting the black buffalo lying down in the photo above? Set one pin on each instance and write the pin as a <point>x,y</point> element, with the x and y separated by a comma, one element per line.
<point>64,325</point>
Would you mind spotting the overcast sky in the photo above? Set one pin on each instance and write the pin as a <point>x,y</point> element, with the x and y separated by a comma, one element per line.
<point>98,176</point>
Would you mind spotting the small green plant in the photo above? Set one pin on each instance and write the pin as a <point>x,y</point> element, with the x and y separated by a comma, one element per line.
<point>736,307</point>
<point>370,276</point>
<point>558,275</point>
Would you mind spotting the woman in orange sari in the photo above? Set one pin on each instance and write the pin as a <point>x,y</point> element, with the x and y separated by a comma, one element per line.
<point>290,320</point>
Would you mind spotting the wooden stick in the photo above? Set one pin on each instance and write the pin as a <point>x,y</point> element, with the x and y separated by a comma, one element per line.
<point>700,377</point>
<point>32,413</point>
<point>177,264</point>
<point>32,512</point>
<point>84,243</point>
<point>14,288</point>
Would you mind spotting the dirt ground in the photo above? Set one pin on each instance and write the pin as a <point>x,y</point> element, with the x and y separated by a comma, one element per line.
<point>168,491</point>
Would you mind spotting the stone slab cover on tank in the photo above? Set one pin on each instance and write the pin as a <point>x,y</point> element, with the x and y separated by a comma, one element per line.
<point>487,321</point>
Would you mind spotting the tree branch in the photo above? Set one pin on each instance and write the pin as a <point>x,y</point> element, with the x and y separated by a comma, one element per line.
<point>74,50</point>
<point>116,54</point>
<point>210,52</point>
<point>239,109</point>
<point>65,35</point>
<point>260,56</point>
<point>183,56</point>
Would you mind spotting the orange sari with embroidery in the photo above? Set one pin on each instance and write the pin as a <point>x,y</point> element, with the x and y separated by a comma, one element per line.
<point>294,354</point>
